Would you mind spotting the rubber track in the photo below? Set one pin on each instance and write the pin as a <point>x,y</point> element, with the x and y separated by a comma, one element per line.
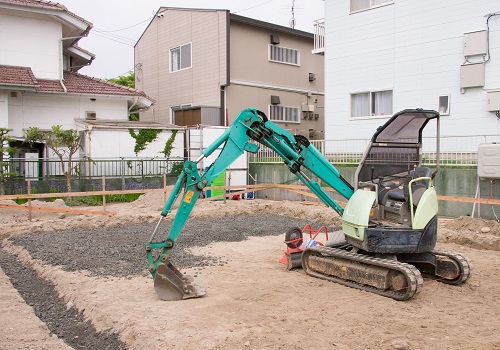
<point>413,277</point>
<point>462,261</point>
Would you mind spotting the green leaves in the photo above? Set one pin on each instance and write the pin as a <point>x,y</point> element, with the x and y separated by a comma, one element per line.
<point>127,80</point>
<point>64,143</point>
<point>56,139</point>
<point>5,141</point>
<point>143,137</point>
<point>168,145</point>
<point>5,151</point>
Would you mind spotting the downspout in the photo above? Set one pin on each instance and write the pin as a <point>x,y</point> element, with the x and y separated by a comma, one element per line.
<point>89,142</point>
<point>61,73</point>
<point>223,105</point>
<point>223,111</point>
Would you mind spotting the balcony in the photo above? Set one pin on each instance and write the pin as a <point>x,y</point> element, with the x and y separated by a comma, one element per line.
<point>319,37</point>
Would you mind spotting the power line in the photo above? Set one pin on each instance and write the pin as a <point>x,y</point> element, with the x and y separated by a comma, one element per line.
<point>118,30</point>
<point>117,41</point>
<point>253,6</point>
<point>116,37</point>
<point>108,34</point>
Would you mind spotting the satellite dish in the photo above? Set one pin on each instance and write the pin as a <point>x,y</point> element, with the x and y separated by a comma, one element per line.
<point>292,22</point>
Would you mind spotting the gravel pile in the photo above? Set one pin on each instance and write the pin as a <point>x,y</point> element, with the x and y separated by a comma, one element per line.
<point>61,318</point>
<point>119,250</point>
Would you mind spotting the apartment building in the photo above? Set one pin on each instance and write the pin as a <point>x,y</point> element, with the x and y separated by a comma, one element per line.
<point>204,66</point>
<point>382,56</point>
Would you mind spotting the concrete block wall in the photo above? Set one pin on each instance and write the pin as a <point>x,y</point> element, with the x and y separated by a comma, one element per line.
<point>448,182</point>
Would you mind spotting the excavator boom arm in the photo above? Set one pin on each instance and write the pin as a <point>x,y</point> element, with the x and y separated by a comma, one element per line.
<point>296,151</point>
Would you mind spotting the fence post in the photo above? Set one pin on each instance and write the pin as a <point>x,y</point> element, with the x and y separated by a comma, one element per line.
<point>274,183</point>
<point>224,188</point>
<point>29,200</point>
<point>255,192</point>
<point>164,189</point>
<point>103,194</point>
<point>123,172</point>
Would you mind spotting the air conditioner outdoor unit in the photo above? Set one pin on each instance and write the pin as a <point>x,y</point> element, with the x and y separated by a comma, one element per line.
<point>90,115</point>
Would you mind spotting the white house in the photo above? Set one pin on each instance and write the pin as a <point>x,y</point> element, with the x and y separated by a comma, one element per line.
<point>40,84</point>
<point>382,56</point>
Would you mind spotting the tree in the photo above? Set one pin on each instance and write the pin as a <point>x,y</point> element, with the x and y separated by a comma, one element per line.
<point>63,143</point>
<point>5,151</point>
<point>127,79</point>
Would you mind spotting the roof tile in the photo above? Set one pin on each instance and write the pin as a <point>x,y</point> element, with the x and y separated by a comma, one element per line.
<point>74,83</point>
<point>80,83</point>
<point>17,76</point>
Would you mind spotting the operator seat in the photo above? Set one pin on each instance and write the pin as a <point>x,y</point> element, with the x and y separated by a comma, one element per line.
<point>401,193</point>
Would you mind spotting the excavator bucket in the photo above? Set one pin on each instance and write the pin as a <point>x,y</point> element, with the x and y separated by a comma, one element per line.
<point>170,284</point>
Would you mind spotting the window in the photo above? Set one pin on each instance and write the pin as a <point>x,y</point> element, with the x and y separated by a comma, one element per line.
<point>284,114</point>
<point>360,5</point>
<point>284,55</point>
<point>180,57</point>
<point>444,104</point>
<point>371,104</point>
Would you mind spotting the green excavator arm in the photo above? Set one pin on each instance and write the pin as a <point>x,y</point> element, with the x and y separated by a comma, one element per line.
<point>250,125</point>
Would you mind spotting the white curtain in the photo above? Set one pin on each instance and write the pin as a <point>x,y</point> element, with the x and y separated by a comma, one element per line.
<point>358,5</point>
<point>382,101</point>
<point>360,105</point>
<point>176,59</point>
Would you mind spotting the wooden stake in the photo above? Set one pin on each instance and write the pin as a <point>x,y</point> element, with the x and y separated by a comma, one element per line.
<point>225,189</point>
<point>29,200</point>
<point>164,189</point>
<point>274,183</point>
<point>103,194</point>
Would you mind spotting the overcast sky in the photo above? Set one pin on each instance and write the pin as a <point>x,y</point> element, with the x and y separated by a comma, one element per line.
<point>118,24</point>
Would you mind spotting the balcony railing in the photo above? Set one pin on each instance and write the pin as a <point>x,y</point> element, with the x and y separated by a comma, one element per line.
<point>319,37</point>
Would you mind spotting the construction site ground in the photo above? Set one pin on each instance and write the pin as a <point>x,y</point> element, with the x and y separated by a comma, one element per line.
<point>81,281</point>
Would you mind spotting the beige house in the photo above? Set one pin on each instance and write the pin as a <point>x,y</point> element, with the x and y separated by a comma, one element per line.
<point>205,66</point>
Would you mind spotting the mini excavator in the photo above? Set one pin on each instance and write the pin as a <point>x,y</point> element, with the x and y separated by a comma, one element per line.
<point>389,222</point>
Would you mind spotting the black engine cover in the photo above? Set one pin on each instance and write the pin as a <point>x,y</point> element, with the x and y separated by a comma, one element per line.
<point>393,240</point>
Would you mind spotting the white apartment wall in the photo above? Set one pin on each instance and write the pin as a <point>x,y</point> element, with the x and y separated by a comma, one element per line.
<point>414,48</point>
<point>43,111</point>
<point>31,41</point>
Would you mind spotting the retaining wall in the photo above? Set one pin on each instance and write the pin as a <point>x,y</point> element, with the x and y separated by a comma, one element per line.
<point>448,182</point>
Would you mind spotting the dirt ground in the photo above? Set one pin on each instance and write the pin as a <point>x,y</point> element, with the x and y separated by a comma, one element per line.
<point>252,301</point>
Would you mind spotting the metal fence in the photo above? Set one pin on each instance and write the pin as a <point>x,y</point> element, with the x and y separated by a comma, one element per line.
<point>93,168</point>
<point>47,176</point>
<point>145,172</point>
<point>454,150</point>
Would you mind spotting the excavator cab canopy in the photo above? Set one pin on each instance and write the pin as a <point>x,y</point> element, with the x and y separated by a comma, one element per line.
<point>396,147</point>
